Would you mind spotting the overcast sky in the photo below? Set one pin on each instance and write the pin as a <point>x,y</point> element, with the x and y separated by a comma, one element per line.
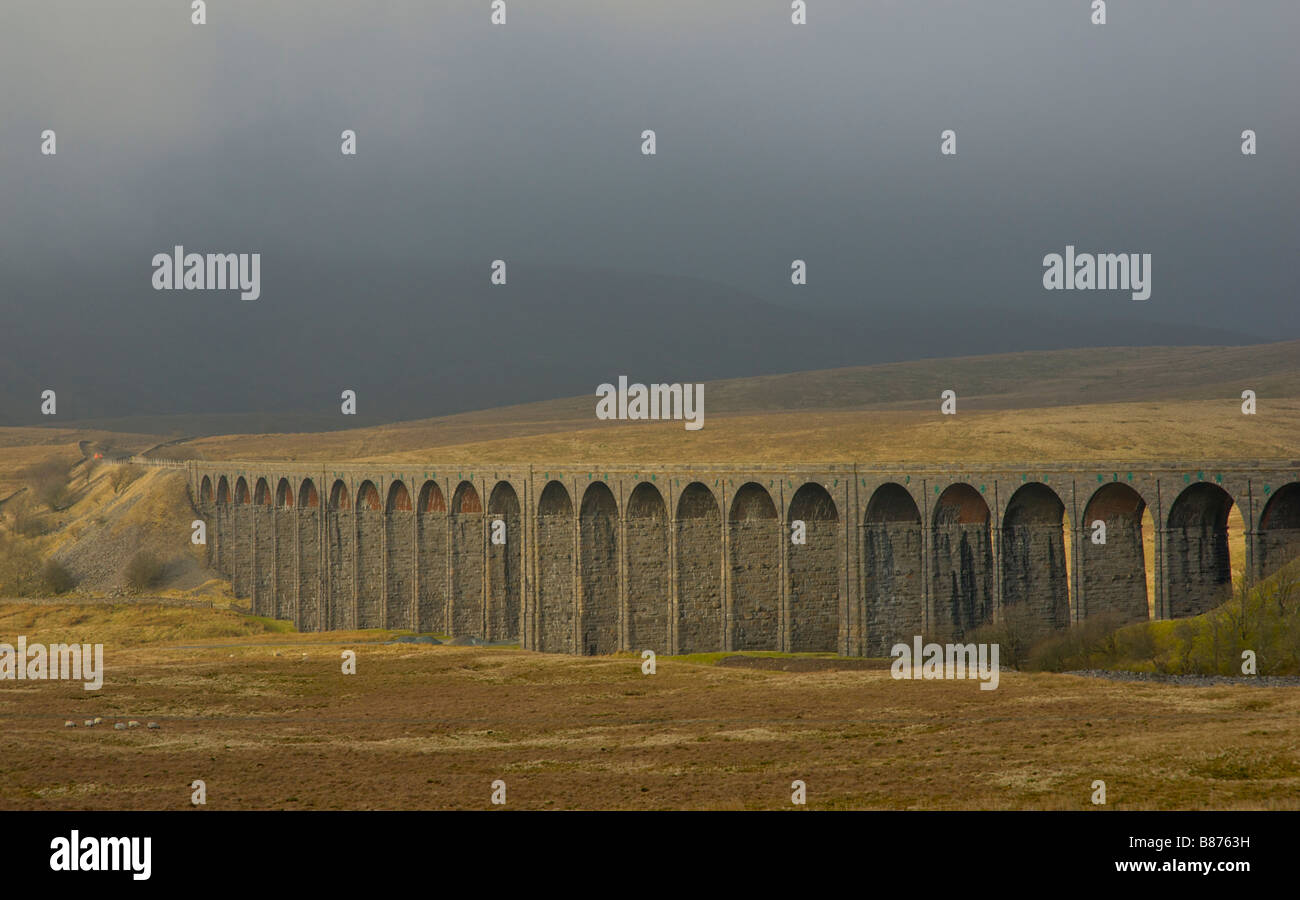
<point>522,142</point>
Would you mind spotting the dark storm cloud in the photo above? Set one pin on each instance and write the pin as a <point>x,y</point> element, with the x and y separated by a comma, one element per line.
<point>522,142</point>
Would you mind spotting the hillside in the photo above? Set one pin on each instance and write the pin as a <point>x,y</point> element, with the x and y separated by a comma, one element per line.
<point>102,530</point>
<point>1111,403</point>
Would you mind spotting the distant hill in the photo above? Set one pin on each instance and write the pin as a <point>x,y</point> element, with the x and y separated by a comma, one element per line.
<point>1114,403</point>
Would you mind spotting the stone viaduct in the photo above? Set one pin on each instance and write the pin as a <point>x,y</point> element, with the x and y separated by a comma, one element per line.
<point>591,560</point>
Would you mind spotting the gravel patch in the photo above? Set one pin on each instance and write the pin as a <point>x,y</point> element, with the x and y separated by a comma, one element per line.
<point>1192,680</point>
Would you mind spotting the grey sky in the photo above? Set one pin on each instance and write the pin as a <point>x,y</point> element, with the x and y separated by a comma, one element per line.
<point>775,142</point>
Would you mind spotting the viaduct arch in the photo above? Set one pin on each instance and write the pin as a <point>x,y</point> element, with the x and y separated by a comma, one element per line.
<point>706,558</point>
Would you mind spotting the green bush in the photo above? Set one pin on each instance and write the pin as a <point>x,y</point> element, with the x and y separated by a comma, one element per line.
<point>1263,618</point>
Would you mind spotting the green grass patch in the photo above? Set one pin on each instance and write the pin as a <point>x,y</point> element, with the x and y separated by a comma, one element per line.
<point>273,626</point>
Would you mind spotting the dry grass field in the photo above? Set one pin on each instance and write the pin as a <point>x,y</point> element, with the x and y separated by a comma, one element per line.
<point>1103,404</point>
<point>268,721</point>
<point>1156,403</point>
<point>266,718</point>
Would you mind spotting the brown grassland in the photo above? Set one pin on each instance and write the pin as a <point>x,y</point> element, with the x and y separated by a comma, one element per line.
<point>267,719</point>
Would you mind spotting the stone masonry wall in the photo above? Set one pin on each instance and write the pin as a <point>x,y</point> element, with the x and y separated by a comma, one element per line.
<point>286,561</point>
<point>555,583</point>
<point>689,582</point>
<point>241,550</point>
<point>599,584</point>
<point>963,579</point>
<point>342,557</point>
<point>432,534</point>
<point>1114,574</point>
<point>648,598</point>
<point>505,575</point>
<point>1034,576</point>
<point>1277,547</point>
<point>815,589</point>
<point>755,583</point>
<point>467,574</point>
<point>370,567</point>
<point>1198,570</point>
<point>309,570</point>
<point>892,588</point>
<point>264,557</point>
<point>699,584</point>
<point>400,525</point>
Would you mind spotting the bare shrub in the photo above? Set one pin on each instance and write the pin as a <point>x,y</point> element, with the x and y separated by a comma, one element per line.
<point>120,477</point>
<point>26,522</point>
<point>20,568</point>
<point>143,571</point>
<point>1088,645</point>
<point>48,482</point>
<point>55,577</point>
<point>1015,634</point>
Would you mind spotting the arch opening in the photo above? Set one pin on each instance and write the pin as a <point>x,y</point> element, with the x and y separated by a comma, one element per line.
<point>242,562</point>
<point>431,498</point>
<point>505,564</point>
<point>814,572</point>
<point>598,567</point>
<point>432,534</point>
<point>700,627</point>
<point>340,536</point>
<point>285,586</point>
<point>307,494</point>
<point>1112,559</point>
<point>962,562</point>
<point>264,540</point>
<point>468,607</point>
<point>648,602</point>
<point>310,583</point>
<point>892,545</point>
<point>1278,540</point>
<point>555,585</point>
<point>339,496</point>
<point>368,498</point>
<point>1198,561</point>
<point>465,500</point>
<point>284,494</point>
<point>399,498</point>
<point>370,556</point>
<point>1035,569</point>
<point>399,558</point>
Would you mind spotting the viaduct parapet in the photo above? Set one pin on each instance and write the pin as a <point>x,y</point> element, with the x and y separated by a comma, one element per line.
<point>594,559</point>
